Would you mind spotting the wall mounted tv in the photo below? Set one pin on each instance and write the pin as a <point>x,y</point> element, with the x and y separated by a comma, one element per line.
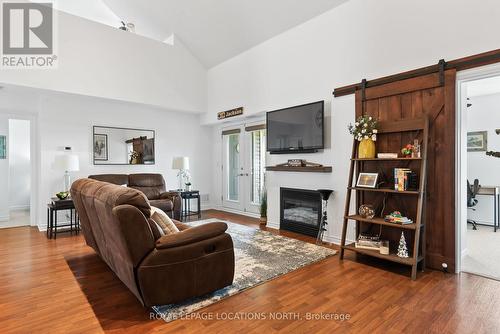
<point>296,129</point>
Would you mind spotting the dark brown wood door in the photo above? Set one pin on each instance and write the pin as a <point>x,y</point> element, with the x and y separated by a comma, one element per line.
<point>432,95</point>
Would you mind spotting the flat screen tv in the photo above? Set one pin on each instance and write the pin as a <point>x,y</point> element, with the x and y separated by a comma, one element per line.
<point>296,129</point>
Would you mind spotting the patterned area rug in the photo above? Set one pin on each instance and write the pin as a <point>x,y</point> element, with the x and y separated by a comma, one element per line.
<point>259,257</point>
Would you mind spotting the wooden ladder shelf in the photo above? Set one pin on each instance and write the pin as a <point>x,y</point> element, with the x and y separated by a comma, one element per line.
<point>417,252</point>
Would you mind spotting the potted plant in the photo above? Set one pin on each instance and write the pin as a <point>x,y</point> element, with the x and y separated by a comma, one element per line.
<point>263,208</point>
<point>365,131</point>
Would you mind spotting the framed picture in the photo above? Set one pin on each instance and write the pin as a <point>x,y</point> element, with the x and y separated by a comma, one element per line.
<point>477,141</point>
<point>3,147</point>
<point>100,147</point>
<point>367,180</point>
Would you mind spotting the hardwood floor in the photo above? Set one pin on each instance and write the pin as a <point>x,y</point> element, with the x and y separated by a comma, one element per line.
<point>61,286</point>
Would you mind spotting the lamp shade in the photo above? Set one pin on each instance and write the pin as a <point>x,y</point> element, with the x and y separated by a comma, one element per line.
<point>68,162</point>
<point>180,163</point>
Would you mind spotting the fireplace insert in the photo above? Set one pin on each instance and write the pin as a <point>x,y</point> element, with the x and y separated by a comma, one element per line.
<point>300,211</point>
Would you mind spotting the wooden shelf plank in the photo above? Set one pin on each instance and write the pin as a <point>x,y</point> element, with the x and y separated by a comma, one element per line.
<point>387,159</point>
<point>384,190</point>
<point>308,169</point>
<point>380,221</point>
<point>375,253</point>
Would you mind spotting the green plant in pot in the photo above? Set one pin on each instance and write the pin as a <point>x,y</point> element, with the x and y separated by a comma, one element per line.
<point>263,208</point>
<point>365,131</point>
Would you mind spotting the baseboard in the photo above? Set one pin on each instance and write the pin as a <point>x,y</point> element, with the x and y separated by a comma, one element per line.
<point>7,224</point>
<point>19,207</point>
<point>243,213</point>
<point>206,206</point>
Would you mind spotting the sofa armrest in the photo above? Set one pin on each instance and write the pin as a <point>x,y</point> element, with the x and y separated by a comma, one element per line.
<point>191,235</point>
<point>170,195</point>
<point>176,199</point>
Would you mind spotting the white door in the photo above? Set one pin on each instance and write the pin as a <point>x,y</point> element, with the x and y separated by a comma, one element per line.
<point>232,169</point>
<point>243,167</point>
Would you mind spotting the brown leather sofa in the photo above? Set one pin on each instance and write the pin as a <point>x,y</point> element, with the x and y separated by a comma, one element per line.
<point>152,185</point>
<point>115,223</point>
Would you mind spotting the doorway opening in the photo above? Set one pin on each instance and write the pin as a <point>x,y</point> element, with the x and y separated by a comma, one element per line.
<point>15,152</point>
<point>478,220</point>
<point>243,166</point>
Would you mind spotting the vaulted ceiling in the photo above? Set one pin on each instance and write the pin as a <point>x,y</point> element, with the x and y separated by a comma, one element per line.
<point>213,30</point>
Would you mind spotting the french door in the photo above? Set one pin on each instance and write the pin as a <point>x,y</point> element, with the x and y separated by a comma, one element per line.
<point>243,167</point>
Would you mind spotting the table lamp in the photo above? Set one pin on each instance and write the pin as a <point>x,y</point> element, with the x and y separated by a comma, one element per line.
<point>68,163</point>
<point>182,164</point>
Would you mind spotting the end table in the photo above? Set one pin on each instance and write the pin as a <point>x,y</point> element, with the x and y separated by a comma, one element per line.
<point>187,196</point>
<point>61,205</point>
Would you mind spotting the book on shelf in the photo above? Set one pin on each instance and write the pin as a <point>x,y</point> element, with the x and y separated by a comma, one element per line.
<point>397,218</point>
<point>387,155</point>
<point>365,241</point>
<point>405,179</point>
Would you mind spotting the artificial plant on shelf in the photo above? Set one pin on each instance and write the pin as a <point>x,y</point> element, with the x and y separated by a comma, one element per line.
<point>365,132</point>
<point>263,207</point>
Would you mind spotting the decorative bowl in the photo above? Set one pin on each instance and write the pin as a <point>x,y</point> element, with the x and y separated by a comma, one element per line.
<point>62,195</point>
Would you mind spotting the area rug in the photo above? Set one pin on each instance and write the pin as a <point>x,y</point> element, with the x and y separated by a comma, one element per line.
<point>259,257</point>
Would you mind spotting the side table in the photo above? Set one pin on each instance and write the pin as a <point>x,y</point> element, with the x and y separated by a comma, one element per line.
<point>187,196</point>
<point>61,205</point>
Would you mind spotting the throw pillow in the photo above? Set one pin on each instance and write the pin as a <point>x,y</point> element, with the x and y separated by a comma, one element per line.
<point>163,220</point>
<point>155,229</point>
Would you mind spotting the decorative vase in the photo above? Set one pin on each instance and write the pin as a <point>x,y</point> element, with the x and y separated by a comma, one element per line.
<point>366,149</point>
<point>263,220</point>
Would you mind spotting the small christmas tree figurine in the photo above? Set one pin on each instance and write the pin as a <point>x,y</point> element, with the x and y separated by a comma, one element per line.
<point>402,250</point>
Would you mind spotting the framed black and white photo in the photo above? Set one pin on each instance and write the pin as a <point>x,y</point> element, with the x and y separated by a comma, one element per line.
<point>477,141</point>
<point>367,180</point>
<point>100,147</point>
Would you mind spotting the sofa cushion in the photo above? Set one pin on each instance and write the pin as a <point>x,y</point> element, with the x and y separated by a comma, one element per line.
<point>163,204</point>
<point>163,220</point>
<point>118,179</point>
<point>155,229</point>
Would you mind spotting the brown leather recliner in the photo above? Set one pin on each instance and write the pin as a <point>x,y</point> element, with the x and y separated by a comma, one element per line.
<point>152,185</point>
<point>115,223</point>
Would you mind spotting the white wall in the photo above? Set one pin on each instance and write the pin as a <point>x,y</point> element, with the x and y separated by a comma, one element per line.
<point>19,164</point>
<point>67,120</point>
<point>359,39</point>
<point>98,60</point>
<point>484,115</point>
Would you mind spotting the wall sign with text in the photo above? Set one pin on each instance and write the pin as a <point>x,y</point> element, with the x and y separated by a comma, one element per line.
<point>230,113</point>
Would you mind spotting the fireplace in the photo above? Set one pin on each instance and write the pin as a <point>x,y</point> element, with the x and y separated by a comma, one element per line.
<point>300,211</point>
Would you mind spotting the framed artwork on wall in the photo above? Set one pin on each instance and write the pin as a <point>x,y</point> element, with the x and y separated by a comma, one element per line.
<point>100,147</point>
<point>3,147</point>
<point>477,141</point>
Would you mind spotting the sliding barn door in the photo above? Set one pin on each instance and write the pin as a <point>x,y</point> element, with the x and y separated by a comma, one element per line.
<point>432,95</point>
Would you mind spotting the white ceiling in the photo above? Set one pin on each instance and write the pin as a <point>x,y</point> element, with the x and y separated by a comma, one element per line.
<point>482,87</point>
<point>213,30</point>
